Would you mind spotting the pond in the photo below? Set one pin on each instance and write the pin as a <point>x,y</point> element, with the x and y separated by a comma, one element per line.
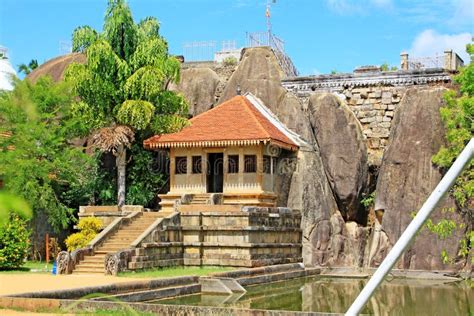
<point>334,295</point>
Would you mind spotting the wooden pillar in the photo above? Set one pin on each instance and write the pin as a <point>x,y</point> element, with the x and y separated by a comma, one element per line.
<point>172,168</point>
<point>260,165</point>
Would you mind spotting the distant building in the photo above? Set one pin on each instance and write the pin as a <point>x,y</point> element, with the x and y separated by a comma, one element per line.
<point>6,70</point>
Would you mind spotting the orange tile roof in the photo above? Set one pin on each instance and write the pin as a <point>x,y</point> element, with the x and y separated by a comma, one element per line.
<point>234,122</point>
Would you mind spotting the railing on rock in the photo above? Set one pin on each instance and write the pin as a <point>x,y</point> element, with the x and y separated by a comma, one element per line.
<point>426,62</point>
<point>257,39</point>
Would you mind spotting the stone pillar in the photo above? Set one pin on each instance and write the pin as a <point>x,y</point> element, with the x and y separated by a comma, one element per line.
<point>404,61</point>
<point>448,60</point>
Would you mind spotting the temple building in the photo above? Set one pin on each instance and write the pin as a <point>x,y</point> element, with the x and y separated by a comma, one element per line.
<point>230,152</point>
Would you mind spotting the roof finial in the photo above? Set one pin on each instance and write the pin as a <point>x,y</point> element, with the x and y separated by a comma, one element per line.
<point>239,91</point>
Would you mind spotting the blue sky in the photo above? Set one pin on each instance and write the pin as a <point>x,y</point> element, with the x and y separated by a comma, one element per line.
<point>319,36</point>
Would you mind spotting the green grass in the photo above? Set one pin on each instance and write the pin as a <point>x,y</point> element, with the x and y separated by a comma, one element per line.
<point>36,266</point>
<point>174,272</point>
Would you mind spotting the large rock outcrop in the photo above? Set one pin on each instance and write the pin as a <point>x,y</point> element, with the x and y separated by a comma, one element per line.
<point>199,86</point>
<point>327,239</point>
<point>343,152</point>
<point>407,177</point>
<point>259,73</point>
<point>56,67</point>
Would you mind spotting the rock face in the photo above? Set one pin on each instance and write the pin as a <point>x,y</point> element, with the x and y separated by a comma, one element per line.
<point>343,152</point>
<point>199,86</point>
<point>407,177</point>
<point>310,192</point>
<point>56,67</point>
<point>327,239</point>
<point>259,73</point>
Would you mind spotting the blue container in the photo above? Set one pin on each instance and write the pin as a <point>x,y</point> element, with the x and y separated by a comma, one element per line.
<point>53,271</point>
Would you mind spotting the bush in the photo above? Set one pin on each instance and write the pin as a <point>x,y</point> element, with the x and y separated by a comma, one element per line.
<point>230,61</point>
<point>89,228</point>
<point>14,243</point>
<point>90,225</point>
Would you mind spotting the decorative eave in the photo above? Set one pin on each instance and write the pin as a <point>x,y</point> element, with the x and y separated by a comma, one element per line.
<point>304,86</point>
<point>218,143</point>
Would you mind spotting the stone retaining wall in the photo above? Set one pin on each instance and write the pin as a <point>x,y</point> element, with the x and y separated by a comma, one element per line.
<point>372,95</point>
<point>250,238</point>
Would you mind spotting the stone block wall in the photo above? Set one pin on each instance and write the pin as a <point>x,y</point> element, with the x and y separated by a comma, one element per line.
<point>374,107</point>
<point>372,95</point>
<point>254,236</point>
<point>250,238</point>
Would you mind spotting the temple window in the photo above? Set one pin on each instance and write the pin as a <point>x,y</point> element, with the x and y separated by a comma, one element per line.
<point>233,164</point>
<point>197,164</point>
<point>181,165</point>
<point>250,163</point>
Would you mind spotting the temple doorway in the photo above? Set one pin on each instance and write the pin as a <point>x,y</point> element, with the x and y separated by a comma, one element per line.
<point>215,173</point>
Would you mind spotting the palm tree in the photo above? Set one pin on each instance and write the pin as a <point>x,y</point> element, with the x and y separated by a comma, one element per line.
<point>27,69</point>
<point>115,139</point>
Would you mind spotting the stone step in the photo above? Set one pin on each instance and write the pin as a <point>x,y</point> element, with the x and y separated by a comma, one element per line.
<point>110,249</point>
<point>115,243</point>
<point>127,241</point>
<point>80,269</point>
<point>155,294</point>
<point>279,276</point>
<point>104,252</point>
<point>93,260</point>
<point>98,265</point>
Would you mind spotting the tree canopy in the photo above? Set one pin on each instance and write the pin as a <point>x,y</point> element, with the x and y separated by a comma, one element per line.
<point>37,162</point>
<point>458,118</point>
<point>125,83</point>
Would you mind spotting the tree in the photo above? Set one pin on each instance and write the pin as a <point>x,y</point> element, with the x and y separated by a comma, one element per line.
<point>458,118</point>
<point>27,69</point>
<point>123,86</point>
<point>37,162</point>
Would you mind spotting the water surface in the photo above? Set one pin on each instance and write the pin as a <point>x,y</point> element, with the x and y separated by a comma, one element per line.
<point>323,294</point>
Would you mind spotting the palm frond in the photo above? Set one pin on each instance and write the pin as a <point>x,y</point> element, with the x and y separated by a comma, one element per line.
<point>108,139</point>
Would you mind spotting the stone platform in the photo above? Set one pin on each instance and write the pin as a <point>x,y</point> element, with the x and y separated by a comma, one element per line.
<point>195,235</point>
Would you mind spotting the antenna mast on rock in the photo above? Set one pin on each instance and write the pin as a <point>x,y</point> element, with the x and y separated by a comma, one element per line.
<point>268,17</point>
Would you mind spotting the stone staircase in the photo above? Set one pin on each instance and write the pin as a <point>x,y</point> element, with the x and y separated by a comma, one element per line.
<point>200,199</point>
<point>120,239</point>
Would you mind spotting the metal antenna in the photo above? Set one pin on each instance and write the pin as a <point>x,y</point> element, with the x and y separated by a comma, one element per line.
<point>268,17</point>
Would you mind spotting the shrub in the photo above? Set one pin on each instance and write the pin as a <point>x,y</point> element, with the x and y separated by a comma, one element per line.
<point>230,61</point>
<point>14,243</point>
<point>89,228</point>
<point>90,225</point>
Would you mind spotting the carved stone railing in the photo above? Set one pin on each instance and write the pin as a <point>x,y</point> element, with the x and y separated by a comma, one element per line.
<point>216,199</point>
<point>66,262</point>
<point>160,224</point>
<point>118,262</point>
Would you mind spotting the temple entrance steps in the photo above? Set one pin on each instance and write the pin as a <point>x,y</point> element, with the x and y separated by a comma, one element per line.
<point>200,199</point>
<point>258,199</point>
<point>122,238</point>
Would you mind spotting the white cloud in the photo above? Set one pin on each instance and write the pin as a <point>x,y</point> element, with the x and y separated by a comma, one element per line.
<point>430,43</point>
